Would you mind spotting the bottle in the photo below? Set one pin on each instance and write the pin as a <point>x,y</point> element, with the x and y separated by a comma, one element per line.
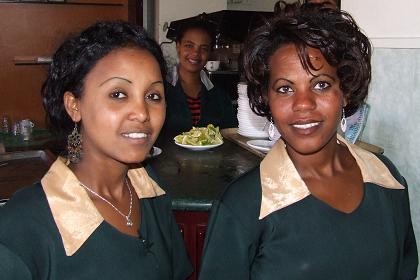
<point>5,124</point>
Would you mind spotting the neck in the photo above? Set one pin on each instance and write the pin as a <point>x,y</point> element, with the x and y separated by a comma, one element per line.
<point>104,177</point>
<point>324,163</point>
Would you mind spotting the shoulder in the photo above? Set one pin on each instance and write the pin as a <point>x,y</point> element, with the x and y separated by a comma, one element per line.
<point>244,194</point>
<point>217,92</point>
<point>392,168</point>
<point>26,225</point>
<point>172,91</point>
<point>26,203</point>
<point>27,213</point>
<point>164,200</point>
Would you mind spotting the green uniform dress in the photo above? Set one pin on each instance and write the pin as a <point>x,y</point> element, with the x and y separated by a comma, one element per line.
<point>308,239</point>
<point>216,109</point>
<point>31,246</point>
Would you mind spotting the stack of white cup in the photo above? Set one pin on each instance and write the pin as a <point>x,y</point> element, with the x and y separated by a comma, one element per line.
<point>250,124</point>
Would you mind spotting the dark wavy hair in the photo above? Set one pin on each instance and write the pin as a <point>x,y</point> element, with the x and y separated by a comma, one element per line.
<point>76,57</point>
<point>333,32</point>
<point>199,23</point>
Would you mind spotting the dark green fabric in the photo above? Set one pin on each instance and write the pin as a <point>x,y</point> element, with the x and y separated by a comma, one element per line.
<point>309,239</point>
<point>30,242</point>
<point>216,109</point>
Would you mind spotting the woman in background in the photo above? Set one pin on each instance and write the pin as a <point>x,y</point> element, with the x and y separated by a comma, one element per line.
<point>192,99</point>
<point>98,214</point>
<point>317,207</point>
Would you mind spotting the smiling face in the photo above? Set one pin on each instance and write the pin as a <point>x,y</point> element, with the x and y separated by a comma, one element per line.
<point>193,50</point>
<point>306,107</point>
<point>122,107</point>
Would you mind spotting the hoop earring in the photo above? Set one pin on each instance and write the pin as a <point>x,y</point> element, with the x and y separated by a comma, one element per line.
<point>271,129</point>
<point>343,123</point>
<point>74,145</point>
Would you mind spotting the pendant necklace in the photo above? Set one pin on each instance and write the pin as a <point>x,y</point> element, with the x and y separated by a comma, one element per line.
<point>128,216</point>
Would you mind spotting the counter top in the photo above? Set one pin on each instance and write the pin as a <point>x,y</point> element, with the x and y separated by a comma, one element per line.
<point>42,139</point>
<point>195,178</point>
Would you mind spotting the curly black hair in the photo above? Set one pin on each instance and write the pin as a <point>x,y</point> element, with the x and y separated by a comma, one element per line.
<point>334,33</point>
<point>76,57</point>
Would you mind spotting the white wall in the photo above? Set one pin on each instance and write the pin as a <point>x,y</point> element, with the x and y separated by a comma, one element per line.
<point>388,23</point>
<point>170,10</point>
<point>393,120</point>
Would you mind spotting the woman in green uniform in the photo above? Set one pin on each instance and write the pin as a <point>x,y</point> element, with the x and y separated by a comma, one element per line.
<point>98,214</point>
<point>317,207</point>
<point>192,99</point>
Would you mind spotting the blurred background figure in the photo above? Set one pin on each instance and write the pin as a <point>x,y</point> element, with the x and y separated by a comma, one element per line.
<point>192,99</point>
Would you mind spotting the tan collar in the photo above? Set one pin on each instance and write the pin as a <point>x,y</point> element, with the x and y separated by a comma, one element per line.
<point>282,185</point>
<point>74,212</point>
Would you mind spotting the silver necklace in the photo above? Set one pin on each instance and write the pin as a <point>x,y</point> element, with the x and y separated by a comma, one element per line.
<point>128,216</point>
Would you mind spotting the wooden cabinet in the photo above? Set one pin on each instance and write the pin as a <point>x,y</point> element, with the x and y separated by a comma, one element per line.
<point>193,226</point>
<point>35,29</point>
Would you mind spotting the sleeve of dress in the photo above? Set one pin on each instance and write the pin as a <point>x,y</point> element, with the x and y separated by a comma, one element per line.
<point>181,265</point>
<point>228,249</point>
<point>11,266</point>
<point>410,256</point>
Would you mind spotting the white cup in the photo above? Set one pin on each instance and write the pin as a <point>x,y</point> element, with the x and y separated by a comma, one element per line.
<point>212,65</point>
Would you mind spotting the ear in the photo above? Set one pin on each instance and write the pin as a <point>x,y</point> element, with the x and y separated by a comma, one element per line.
<point>71,103</point>
<point>177,45</point>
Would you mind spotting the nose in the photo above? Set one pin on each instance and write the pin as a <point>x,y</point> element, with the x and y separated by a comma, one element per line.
<point>139,111</point>
<point>196,51</point>
<point>304,100</point>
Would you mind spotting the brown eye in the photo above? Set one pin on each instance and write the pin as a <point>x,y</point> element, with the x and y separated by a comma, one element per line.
<point>154,96</point>
<point>118,94</point>
<point>284,90</point>
<point>322,85</point>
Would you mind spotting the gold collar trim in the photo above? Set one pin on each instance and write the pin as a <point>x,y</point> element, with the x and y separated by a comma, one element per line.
<point>73,211</point>
<point>282,185</point>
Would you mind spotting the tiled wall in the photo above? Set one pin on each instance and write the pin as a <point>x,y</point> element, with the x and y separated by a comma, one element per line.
<point>394,118</point>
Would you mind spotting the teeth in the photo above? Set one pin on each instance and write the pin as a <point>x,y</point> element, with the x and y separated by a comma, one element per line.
<point>135,135</point>
<point>305,126</point>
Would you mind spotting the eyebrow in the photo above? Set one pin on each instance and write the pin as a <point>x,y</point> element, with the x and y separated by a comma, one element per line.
<point>314,77</point>
<point>191,42</point>
<point>282,79</point>
<point>156,83</point>
<point>120,78</point>
<point>323,74</point>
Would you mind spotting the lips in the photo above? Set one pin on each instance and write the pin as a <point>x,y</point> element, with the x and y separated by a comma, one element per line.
<point>193,61</point>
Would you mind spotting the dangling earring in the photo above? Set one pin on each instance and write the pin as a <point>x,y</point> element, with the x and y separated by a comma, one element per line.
<point>343,122</point>
<point>271,129</point>
<point>74,145</point>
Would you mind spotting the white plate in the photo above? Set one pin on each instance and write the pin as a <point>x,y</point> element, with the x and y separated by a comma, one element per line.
<point>253,133</point>
<point>261,145</point>
<point>198,148</point>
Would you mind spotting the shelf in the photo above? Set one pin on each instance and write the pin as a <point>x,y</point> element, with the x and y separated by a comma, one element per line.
<point>31,60</point>
<point>62,3</point>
